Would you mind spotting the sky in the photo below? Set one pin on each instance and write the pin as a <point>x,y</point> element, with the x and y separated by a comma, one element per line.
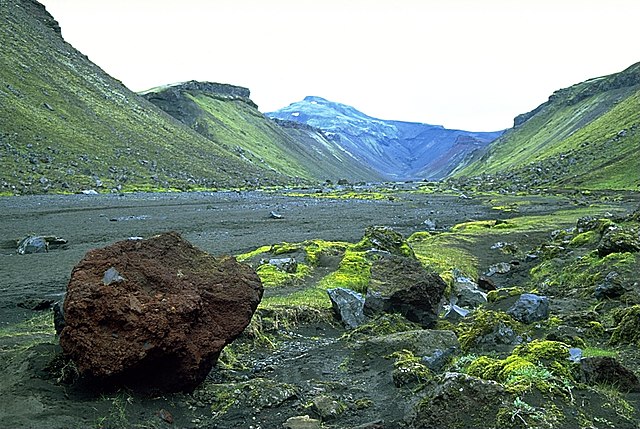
<point>463,64</point>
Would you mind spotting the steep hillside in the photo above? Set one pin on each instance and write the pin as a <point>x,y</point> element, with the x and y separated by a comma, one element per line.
<point>65,125</point>
<point>584,136</point>
<point>397,150</point>
<point>226,115</point>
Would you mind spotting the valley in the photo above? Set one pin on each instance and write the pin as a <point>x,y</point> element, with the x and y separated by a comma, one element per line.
<point>411,276</point>
<point>296,355</point>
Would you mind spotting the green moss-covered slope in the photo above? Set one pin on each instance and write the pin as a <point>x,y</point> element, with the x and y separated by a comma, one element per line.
<point>585,136</point>
<point>65,125</point>
<point>225,115</point>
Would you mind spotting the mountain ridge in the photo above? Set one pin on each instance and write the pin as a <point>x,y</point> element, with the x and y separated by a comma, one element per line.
<point>225,113</point>
<point>399,150</point>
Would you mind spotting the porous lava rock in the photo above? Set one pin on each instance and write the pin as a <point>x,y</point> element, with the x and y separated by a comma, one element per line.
<point>155,314</point>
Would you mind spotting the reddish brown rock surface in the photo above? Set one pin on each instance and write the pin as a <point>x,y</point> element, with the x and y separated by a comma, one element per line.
<point>155,313</point>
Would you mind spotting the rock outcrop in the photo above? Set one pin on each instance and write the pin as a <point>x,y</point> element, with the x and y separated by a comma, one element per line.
<point>400,284</point>
<point>155,314</point>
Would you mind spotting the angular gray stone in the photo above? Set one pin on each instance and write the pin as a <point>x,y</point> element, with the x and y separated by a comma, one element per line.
<point>468,293</point>
<point>499,268</point>
<point>611,287</point>
<point>530,308</point>
<point>112,276</point>
<point>302,422</point>
<point>348,306</point>
<point>32,244</point>
<point>454,313</point>
<point>288,265</point>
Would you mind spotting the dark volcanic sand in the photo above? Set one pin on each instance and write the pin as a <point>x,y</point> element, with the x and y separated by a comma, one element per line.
<point>220,223</point>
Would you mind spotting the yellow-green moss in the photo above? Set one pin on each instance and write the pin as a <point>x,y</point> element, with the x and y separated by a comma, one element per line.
<point>502,293</point>
<point>384,324</point>
<point>541,365</point>
<point>409,369</point>
<point>353,272</point>
<point>584,239</point>
<point>627,326</point>
<point>271,276</point>
<point>483,322</point>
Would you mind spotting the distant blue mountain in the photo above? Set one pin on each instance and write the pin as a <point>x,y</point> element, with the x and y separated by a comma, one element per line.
<point>397,150</point>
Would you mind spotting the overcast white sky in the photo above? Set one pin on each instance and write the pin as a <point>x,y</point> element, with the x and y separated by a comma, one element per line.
<point>467,64</point>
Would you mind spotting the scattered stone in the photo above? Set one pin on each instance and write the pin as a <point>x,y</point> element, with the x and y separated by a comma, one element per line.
<point>274,215</point>
<point>302,422</point>
<point>454,314</point>
<point>402,285</point>
<point>501,337</point>
<point>32,244</point>
<point>530,308</point>
<point>611,287</point>
<point>132,217</point>
<point>605,369</point>
<point>165,415</point>
<point>439,359</point>
<point>385,239</point>
<point>486,283</point>
<point>467,293</point>
<point>575,354</point>
<point>430,225</point>
<point>327,408</point>
<point>499,268</point>
<point>287,265</point>
<point>508,248</point>
<point>377,424</point>
<point>58,317</point>
<point>348,306</point>
<point>165,324</point>
<point>89,192</point>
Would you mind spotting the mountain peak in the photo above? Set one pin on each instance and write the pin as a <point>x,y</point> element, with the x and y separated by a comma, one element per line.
<point>397,150</point>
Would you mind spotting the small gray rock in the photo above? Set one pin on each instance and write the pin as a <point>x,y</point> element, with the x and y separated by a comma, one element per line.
<point>499,268</point>
<point>348,306</point>
<point>302,422</point>
<point>611,287</point>
<point>530,308</point>
<point>32,244</point>
<point>288,265</point>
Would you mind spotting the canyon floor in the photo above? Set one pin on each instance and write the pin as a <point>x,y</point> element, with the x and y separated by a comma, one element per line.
<point>308,357</point>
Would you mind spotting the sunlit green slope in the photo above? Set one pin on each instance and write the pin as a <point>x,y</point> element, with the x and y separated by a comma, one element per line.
<point>65,125</point>
<point>585,136</point>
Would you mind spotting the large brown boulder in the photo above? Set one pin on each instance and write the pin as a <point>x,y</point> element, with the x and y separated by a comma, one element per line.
<point>155,314</point>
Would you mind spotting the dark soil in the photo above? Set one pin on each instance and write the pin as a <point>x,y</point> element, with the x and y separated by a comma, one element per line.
<point>311,356</point>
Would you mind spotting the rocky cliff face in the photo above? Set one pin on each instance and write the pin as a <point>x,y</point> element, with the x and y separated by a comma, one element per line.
<point>397,150</point>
